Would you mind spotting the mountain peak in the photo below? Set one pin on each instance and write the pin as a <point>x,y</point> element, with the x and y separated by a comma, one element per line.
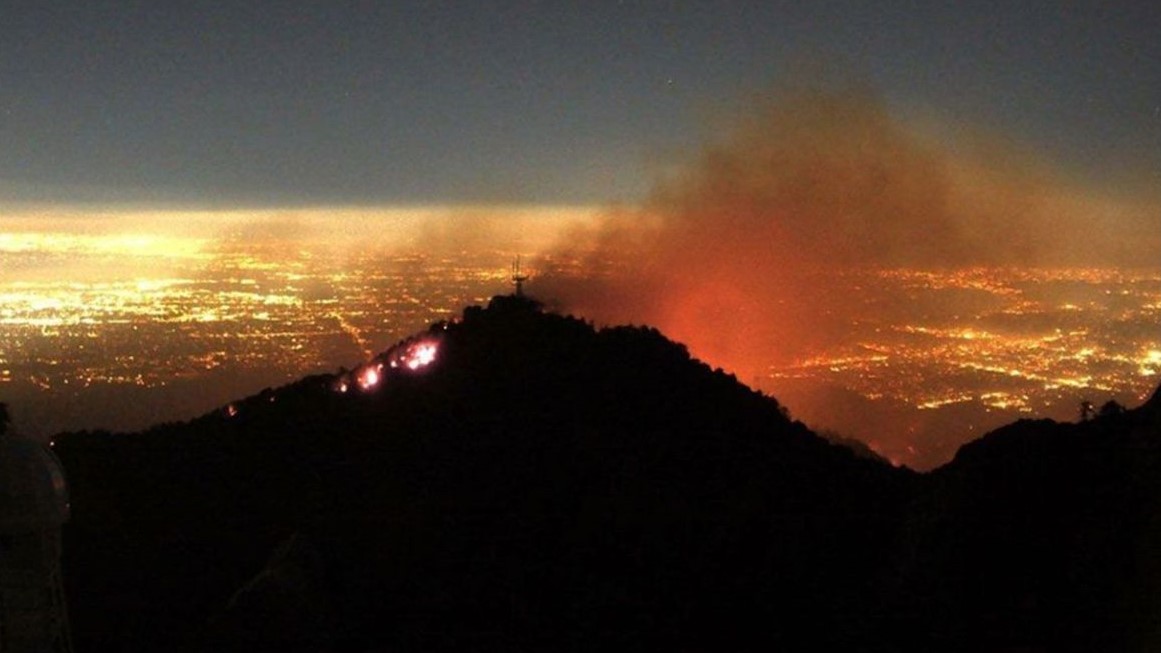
<point>520,479</point>
<point>519,472</point>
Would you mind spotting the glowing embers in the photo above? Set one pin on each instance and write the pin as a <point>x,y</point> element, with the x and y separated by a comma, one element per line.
<point>370,376</point>
<point>413,355</point>
<point>405,358</point>
<point>420,355</point>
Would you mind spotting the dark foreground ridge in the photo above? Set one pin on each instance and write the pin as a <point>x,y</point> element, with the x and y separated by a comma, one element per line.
<point>542,485</point>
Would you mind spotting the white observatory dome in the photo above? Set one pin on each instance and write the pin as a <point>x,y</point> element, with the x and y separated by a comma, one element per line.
<point>33,494</point>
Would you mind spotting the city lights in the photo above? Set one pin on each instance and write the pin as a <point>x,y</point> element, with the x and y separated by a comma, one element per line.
<point>1025,351</point>
<point>1011,341</point>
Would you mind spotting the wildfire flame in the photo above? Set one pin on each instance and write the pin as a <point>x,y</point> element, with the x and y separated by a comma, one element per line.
<point>411,357</point>
<point>370,376</point>
<point>420,355</point>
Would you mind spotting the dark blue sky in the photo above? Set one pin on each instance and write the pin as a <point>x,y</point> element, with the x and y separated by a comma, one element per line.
<point>431,102</point>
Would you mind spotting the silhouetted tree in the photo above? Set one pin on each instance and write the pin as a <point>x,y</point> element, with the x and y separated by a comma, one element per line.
<point>1086,410</point>
<point>4,418</point>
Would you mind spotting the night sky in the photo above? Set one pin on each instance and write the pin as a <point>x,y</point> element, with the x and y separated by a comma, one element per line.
<point>381,103</point>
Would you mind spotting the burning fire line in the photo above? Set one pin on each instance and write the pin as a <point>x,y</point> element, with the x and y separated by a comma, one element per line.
<point>407,358</point>
<point>411,357</point>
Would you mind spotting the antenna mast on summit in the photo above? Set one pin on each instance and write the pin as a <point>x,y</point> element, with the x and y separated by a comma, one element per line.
<point>518,279</point>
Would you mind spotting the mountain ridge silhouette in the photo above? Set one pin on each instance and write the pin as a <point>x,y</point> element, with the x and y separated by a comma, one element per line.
<point>545,484</point>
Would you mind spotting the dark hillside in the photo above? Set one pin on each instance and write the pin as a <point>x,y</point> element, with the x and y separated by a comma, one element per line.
<point>1042,536</point>
<point>520,480</point>
<point>540,484</point>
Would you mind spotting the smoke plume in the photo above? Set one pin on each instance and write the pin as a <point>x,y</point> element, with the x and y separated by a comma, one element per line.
<point>736,254</point>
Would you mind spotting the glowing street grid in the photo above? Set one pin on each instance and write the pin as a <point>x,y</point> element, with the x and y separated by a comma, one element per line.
<point>300,315</point>
<point>1010,339</point>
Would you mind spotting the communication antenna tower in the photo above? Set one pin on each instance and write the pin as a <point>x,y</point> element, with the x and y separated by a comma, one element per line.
<point>518,279</point>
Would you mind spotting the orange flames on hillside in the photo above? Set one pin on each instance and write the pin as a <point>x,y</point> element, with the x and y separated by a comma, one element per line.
<point>411,356</point>
<point>406,358</point>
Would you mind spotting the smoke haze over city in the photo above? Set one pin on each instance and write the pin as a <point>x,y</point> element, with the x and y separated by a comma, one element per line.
<point>810,181</point>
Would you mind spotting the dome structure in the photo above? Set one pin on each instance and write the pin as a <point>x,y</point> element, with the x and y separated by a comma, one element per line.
<point>33,493</point>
